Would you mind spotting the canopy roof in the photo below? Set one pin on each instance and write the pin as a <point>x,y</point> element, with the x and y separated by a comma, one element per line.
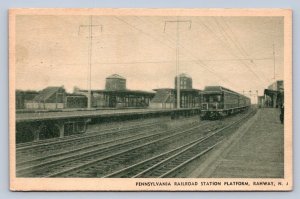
<point>46,93</point>
<point>115,76</point>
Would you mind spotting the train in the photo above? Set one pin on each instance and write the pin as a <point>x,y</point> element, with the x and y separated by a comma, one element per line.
<point>220,102</point>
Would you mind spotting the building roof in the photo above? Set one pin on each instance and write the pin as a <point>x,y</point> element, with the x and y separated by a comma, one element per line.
<point>166,95</point>
<point>115,76</point>
<point>162,96</point>
<point>75,95</point>
<point>218,89</point>
<point>184,75</point>
<point>277,85</point>
<point>213,88</point>
<point>270,92</point>
<point>167,89</point>
<point>128,91</point>
<point>121,91</point>
<point>26,92</point>
<point>182,90</point>
<point>46,93</point>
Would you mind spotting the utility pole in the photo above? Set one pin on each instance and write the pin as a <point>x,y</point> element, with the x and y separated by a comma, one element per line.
<point>177,53</point>
<point>250,96</point>
<point>274,61</point>
<point>90,60</point>
<point>257,96</point>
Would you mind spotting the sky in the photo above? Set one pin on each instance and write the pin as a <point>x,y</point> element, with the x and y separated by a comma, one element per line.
<point>234,52</point>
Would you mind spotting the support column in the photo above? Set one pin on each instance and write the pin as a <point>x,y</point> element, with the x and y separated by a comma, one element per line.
<point>36,135</point>
<point>62,131</point>
<point>36,129</point>
<point>274,100</point>
<point>86,121</point>
<point>61,127</point>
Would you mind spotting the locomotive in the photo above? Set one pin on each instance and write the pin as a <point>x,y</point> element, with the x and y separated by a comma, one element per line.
<point>219,102</point>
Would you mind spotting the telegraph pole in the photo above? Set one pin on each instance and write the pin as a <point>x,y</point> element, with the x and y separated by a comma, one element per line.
<point>90,63</point>
<point>177,54</point>
<point>257,96</point>
<point>90,60</point>
<point>274,61</point>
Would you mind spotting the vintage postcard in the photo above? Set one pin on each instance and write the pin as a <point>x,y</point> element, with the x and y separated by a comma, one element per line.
<point>150,99</point>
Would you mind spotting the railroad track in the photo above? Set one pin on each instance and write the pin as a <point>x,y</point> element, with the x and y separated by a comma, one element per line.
<point>45,168</point>
<point>86,148</point>
<point>29,145</point>
<point>110,158</point>
<point>169,163</point>
<point>100,166</point>
<point>95,144</point>
<point>117,126</point>
<point>43,149</point>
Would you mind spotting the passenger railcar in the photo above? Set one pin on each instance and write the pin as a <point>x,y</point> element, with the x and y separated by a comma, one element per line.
<point>219,102</point>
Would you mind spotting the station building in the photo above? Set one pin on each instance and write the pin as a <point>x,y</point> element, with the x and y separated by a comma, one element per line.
<point>166,98</point>
<point>22,97</point>
<point>50,98</point>
<point>186,81</point>
<point>116,95</point>
<point>261,101</point>
<point>115,82</point>
<point>274,94</point>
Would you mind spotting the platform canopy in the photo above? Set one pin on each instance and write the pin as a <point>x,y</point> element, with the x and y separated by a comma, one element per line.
<point>271,92</point>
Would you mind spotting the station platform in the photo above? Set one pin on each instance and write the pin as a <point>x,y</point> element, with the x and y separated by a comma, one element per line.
<point>256,150</point>
<point>33,126</point>
<point>40,116</point>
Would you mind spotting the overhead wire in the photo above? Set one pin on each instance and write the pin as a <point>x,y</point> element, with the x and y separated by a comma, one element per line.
<point>224,44</point>
<point>197,61</point>
<point>238,47</point>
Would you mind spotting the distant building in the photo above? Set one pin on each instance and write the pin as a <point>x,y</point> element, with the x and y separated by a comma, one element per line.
<point>274,95</point>
<point>116,95</point>
<point>121,98</point>
<point>166,98</point>
<point>115,82</point>
<point>277,86</point>
<point>76,101</point>
<point>24,96</point>
<point>53,98</point>
<point>186,82</point>
<point>261,101</point>
<point>48,98</point>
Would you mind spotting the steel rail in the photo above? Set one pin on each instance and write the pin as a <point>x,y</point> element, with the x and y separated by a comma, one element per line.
<point>181,150</point>
<point>192,147</point>
<point>81,136</point>
<point>104,149</point>
<point>91,144</point>
<point>190,130</point>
